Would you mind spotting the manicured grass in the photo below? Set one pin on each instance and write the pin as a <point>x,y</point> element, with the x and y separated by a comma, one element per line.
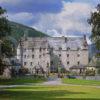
<point>51,93</point>
<point>21,80</point>
<point>80,82</point>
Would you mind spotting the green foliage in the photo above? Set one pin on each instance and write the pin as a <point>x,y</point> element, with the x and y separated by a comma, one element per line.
<point>18,30</point>
<point>6,46</point>
<point>94,21</point>
<point>4,26</point>
<point>23,71</point>
<point>2,11</point>
<point>1,67</point>
<point>98,70</point>
<point>90,73</point>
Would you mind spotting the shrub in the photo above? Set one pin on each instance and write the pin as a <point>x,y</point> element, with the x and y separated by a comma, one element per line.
<point>23,71</point>
<point>90,72</point>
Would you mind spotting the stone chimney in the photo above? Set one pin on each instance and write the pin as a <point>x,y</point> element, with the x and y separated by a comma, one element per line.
<point>85,41</point>
<point>84,37</point>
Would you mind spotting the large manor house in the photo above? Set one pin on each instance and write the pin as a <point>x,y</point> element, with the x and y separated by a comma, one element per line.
<point>53,53</point>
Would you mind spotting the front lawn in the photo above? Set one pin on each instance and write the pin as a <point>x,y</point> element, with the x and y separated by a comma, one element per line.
<point>21,80</point>
<point>51,93</point>
<point>80,82</point>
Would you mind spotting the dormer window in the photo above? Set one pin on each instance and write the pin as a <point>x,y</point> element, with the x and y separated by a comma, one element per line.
<point>68,48</point>
<point>78,49</point>
<point>60,48</point>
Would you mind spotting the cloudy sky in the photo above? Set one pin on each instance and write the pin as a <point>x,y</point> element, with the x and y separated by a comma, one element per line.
<point>54,17</point>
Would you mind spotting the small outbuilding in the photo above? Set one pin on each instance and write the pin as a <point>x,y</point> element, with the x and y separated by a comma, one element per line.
<point>78,69</point>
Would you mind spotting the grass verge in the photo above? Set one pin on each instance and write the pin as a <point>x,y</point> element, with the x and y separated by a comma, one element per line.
<point>21,80</point>
<point>80,82</point>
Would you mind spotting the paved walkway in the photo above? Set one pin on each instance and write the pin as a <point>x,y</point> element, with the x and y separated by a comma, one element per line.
<point>57,81</point>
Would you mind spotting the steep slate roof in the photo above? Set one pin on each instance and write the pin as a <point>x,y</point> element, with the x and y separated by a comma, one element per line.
<point>78,67</point>
<point>73,43</point>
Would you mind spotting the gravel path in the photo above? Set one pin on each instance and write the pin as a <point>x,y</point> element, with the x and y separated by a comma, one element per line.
<point>57,81</point>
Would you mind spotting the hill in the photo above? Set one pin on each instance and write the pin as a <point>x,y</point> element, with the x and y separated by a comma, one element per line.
<point>18,30</point>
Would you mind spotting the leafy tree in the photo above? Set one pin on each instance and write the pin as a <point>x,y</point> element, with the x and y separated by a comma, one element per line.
<point>94,21</point>
<point>6,45</point>
<point>4,26</point>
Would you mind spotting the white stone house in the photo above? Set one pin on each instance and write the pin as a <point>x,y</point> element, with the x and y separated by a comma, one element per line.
<point>50,53</point>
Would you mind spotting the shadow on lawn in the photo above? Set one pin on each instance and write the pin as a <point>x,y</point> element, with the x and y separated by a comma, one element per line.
<point>38,95</point>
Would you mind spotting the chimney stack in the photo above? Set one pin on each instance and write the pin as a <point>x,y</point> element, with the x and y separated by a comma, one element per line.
<point>84,37</point>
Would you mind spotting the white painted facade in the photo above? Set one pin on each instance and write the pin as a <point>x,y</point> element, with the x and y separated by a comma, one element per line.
<point>53,51</point>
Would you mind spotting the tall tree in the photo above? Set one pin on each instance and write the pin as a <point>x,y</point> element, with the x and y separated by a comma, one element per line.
<point>6,45</point>
<point>94,21</point>
<point>4,26</point>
